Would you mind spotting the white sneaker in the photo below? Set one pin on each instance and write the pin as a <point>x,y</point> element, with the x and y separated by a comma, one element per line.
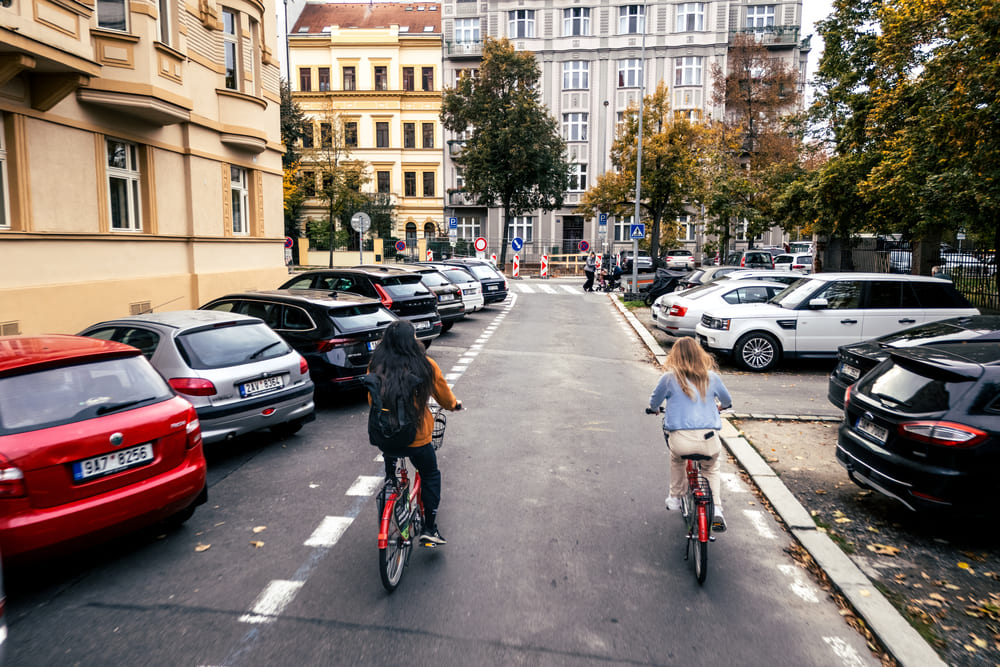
<point>673,504</point>
<point>719,522</point>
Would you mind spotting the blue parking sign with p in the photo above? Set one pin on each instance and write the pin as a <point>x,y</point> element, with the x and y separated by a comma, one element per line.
<point>602,219</point>
<point>452,223</point>
<point>638,231</point>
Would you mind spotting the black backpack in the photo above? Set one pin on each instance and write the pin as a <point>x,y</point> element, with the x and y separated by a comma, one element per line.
<point>389,427</point>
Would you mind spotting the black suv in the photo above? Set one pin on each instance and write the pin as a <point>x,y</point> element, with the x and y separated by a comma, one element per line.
<point>493,282</point>
<point>335,331</point>
<point>449,297</point>
<point>399,291</point>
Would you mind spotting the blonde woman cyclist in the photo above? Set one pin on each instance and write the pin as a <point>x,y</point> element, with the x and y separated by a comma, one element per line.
<point>694,395</point>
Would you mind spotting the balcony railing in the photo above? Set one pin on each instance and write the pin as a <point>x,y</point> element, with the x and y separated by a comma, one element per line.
<point>774,35</point>
<point>455,146</point>
<point>460,198</point>
<point>464,49</point>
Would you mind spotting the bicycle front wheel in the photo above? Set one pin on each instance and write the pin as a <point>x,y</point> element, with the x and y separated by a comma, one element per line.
<point>393,556</point>
<point>700,540</point>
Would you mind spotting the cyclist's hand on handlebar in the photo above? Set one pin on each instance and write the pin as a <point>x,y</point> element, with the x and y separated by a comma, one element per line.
<point>651,411</point>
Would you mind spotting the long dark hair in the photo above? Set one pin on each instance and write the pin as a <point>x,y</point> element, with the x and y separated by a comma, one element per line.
<point>403,370</point>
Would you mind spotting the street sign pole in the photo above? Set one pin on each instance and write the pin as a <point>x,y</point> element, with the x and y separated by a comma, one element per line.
<point>360,221</point>
<point>638,156</point>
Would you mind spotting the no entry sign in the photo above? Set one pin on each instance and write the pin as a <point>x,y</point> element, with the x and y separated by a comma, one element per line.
<point>480,244</point>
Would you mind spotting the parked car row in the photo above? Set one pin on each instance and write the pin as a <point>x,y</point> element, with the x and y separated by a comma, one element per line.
<point>104,432</point>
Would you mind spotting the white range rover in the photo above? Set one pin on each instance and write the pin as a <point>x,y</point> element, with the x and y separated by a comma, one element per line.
<point>815,315</point>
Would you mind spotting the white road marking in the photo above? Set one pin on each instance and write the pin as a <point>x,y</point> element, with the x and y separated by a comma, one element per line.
<point>799,585</point>
<point>848,656</point>
<point>329,531</point>
<point>525,289</point>
<point>571,289</point>
<point>365,485</point>
<point>549,289</point>
<point>459,369</point>
<point>272,601</point>
<point>451,377</point>
<point>757,519</point>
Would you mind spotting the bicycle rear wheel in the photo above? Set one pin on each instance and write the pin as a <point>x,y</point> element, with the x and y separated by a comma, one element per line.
<point>702,526</point>
<point>392,558</point>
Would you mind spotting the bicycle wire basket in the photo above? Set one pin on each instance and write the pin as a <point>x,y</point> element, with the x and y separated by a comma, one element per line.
<point>440,421</point>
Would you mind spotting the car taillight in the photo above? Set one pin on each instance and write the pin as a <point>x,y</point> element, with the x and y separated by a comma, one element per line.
<point>947,434</point>
<point>11,480</point>
<point>384,296</point>
<point>303,366</point>
<point>327,345</point>
<point>193,386</point>
<point>678,311</point>
<point>798,266</point>
<point>193,431</point>
<point>847,396</point>
<point>459,292</point>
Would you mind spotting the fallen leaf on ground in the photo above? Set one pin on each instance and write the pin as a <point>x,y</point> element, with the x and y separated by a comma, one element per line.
<point>258,529</point>
<point>843,519</point>
<point>938,596</point>
<point>883,549</point>
<point>820,492</point>
<point>203,547</point>
<point>981,643</point>
<point>257,543</point>
<point>872,530</point>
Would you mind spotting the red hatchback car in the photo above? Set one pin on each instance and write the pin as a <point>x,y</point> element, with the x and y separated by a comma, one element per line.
<point>93,443</point>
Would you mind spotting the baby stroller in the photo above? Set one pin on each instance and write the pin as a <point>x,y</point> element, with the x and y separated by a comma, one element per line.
<point>609,281</point>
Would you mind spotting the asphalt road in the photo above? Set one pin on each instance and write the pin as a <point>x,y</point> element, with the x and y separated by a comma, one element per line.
<point>560,551</point>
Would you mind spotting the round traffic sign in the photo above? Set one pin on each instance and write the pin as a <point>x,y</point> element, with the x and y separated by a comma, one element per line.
<point>480,244</point>
<point>584,246</point>
<point>400,245</point>
<point>360,222</point>
<point>288,241</point>
<point>517,243</point>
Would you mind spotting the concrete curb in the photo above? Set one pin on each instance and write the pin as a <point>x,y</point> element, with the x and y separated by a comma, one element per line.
<point>892,630</point>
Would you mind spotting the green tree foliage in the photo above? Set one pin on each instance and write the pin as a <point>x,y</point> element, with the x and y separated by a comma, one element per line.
<point>671,178</point>
<point>514,155</point>
<point>293,126</point>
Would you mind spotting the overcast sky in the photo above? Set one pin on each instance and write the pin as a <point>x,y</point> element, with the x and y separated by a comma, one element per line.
<point>813,11</point>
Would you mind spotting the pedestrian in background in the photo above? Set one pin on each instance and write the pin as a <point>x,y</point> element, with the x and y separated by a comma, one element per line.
<point>588,269</point>
<point>694,395</point>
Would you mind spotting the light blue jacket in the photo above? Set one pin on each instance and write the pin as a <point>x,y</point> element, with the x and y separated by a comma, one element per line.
<point>684,413</point>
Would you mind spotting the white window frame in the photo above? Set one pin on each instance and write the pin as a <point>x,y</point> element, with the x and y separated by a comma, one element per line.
<point>760,17</point>
<point>687,71</point>
<point>574,126</point>
<point>239,194</point>
<point>467,31</point>
<point>691,17</point>
<point>521,23</point>
<point>689,227</point>
<point>522,226</point>
<point>469,226</point>
<point>578,177</point>
<point>576,22</point>
<point>632,69</point>
<point>631,19</point>
<point>231,46</point>
<point>126,173</point>
<point>4,185</point>
<point>623,227</point>
<point>576,75</point>
<point>119,23</point>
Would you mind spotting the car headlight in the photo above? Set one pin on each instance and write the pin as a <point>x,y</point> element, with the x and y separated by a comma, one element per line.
<point>720,323</point>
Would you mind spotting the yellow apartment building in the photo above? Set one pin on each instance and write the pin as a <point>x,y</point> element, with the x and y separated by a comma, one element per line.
<point>140,158</point>
<point>376,69</point>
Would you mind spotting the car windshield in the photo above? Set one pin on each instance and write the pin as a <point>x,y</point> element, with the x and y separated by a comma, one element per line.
<point>433,279</point>
<point>908,391</point>
<point>68,394</point>
<point>483,272</point>
<point>400,287</point>
<point>230,345</point>
<point>360,318</point>
<point>459,275</point>
<point>695,276</point>
<point>796,293</point>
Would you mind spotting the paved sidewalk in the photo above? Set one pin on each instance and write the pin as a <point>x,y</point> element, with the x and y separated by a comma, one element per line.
<point>896,635</point>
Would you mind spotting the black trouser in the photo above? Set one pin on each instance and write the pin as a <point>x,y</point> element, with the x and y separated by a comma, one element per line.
<point>425,461</point>
<point>589,285</point>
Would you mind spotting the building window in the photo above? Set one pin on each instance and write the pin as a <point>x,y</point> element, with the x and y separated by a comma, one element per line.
<point>578,177</point>
<point>464,72</point>
<point>427,129</point>
<point>468,227</point>
<point>4,189</point>
<point>241,200</point>
<point>467,31</point>
<point>382,134</point>
<point>381,77</point>
<point>163,19</point>
<point>123,185</point>
<point>112,14</point>
<point>427,77</point>
<point>407,78</point>
<point>623,227</point>
<point>309,183</point>
<point>305,80</point>
<point>631,19</point>
<point>687,71</point>
<point>307,136</point>
<point>382,182</point>
<point>230,25</point>
<point>574,126</point>
<point>325,135</point>
<point>409,135</point>
<point>691,17</point>
<point>409,184</point>
<point>576,75</point>
<point>351,133</point>
<point>521,226</point>
<point>760,17</point>
<point>521,23</point>
<point>323,78</point>
<point>576,22</point>
<point>428,183</point>
<point>629,73</point>
<point>411,235</point>
<point>687,228</point>
<point>350,78</point>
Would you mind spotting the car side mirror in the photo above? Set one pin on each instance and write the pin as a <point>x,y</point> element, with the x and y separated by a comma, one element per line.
<point>818,304</point>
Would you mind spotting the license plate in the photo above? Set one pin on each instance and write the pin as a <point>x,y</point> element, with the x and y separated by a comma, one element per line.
<point>372,344</point>
<point>420,326</point>
<point>492,288</point>
<point>850,371</point>
<point>877,432</point>
<point>447,297</point>
<point>248,389</point>
<point>108,464</point>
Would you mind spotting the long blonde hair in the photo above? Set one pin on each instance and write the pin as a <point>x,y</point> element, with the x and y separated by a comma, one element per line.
<point>690,365</point>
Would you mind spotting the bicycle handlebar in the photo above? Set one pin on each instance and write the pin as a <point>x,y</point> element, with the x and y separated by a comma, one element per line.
<point>651,411</point>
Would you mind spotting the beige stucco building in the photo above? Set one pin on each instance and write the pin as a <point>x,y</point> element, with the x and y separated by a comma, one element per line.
<point>376,69</point>
<point>140,158</point>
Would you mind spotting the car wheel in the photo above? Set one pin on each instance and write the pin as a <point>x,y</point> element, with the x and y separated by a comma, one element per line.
<point>446,326</point>
<point>757,352</point>
<point>287,429</point>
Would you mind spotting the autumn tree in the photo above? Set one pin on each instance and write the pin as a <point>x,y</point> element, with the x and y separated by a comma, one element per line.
<point>672,147</point>
<point>513,156</point>
<point>293,127</point>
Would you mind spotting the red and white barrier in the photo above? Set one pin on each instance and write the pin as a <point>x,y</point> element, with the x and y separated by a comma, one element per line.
<point>430,255</point>
<point>545,266</point>
<point>517,266</point>
<point>493,258</point>
<point>599,261</point>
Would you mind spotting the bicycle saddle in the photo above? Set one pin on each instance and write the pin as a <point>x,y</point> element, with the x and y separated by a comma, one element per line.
<point>696,457</point>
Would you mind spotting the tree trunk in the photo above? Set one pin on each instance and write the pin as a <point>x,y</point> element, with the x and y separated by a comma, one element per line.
<point>505,234</point>
<point>654,240</point>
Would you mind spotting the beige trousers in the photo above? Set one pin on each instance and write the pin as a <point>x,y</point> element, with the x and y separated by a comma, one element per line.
<point>682,443</point>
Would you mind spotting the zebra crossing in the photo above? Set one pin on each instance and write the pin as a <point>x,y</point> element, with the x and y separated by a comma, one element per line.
<point>543,288</point>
